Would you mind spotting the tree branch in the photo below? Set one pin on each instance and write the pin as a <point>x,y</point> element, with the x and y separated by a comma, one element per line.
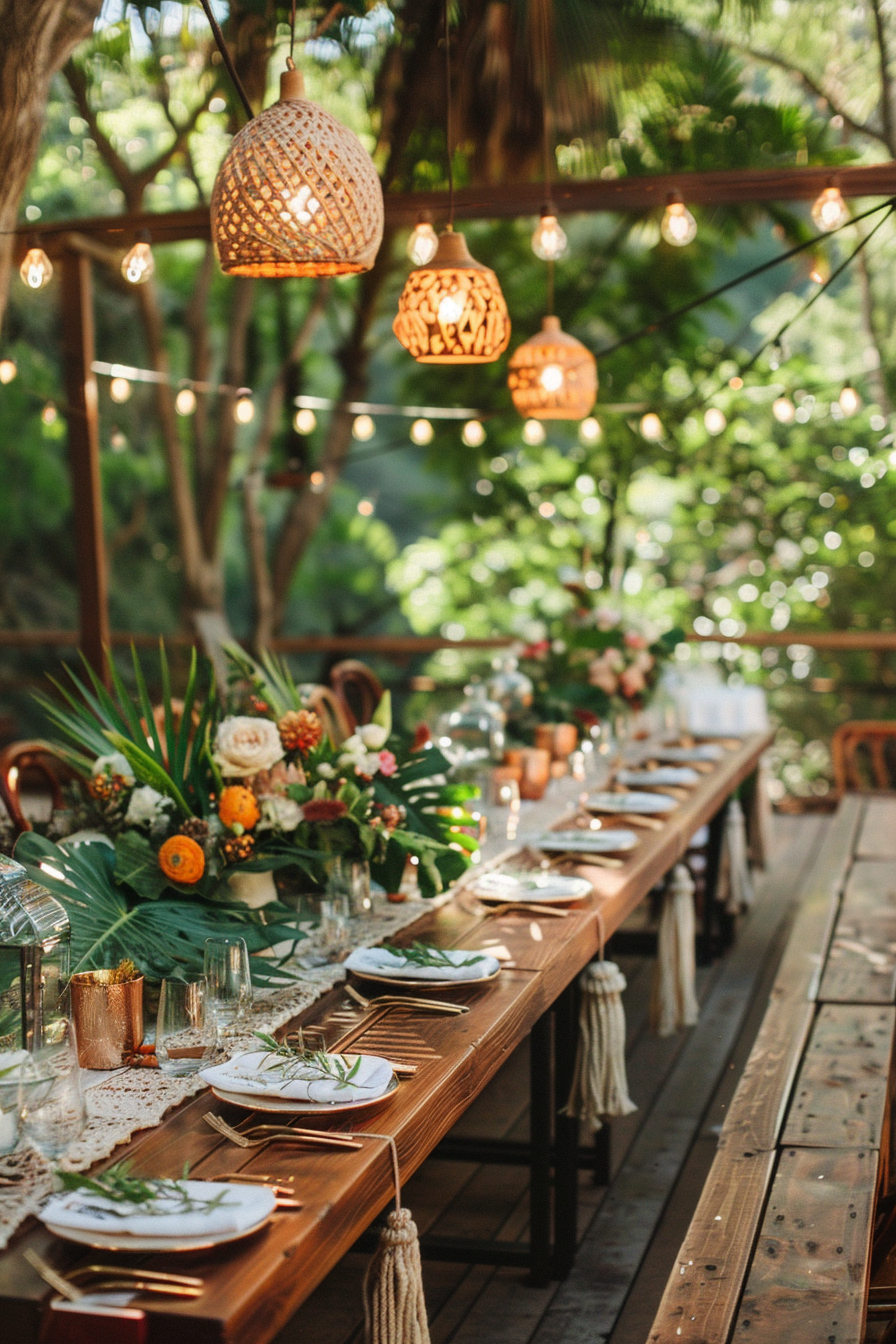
<point>886,83</point>
<point>118,167</point>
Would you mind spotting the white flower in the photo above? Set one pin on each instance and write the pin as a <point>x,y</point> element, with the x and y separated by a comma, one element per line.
<point>373,735</point>
<point>243,746</point>
<point>113,764</point>
<point>147,805</point>
<point>279,813</point>
<point>368,764</point>
<point>326,771</point>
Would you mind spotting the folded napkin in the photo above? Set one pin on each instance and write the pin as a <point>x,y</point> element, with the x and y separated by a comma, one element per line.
<point>669,774</point>
<point>255,1073</point>
<point>237,1209</point>
<point>377,961</point>
<point>706,751</point>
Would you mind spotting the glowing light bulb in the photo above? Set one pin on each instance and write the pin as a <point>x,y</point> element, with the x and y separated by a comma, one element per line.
<point>363,428</point>
<point>49,414</point>
<point>590,430</point>
<point>451,308</point>
<point>8,370</point>
<point>421,432</point>
<point>849,400</point>
<point>651,426</point>
<point>551,378</point>
<point>474,434</point>
<point>318,482</point>
<point>185,401</point>
<point>243,408</point>
<point>714,420</point>
<point>830,210</point>
<point>678,227</point>
<point>365,508</point>
<point>533,433</point>
<point>120,390</point>
<point>138,264</point>
<point>422,243</point>
<point>549,242</point>
<point>784,410</point>
<point>37,269</point>
<point>305,421</point>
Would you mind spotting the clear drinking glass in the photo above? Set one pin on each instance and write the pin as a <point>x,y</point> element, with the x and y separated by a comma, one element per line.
<point>185,1029</point>
<point>226,966</point>
<point>334,917</point>
<point>53,1113</point>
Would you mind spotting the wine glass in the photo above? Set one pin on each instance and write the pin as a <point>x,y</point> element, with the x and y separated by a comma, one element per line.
<point>185,1030</point>
<point>226,966</point>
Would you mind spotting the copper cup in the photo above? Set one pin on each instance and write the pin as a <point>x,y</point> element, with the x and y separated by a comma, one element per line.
<point>108,1019</point>
<point>560,739</point>
<point>536,763</point>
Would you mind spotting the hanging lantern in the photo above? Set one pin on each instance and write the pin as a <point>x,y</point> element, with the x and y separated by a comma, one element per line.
<point>37,269</point>
<point>423,242</point>
<point>552,375</point>
<point>830,210</point>
<point>678,227</point>
<point>297,194</point>
<point>138,264</point>
<point>452,311</point>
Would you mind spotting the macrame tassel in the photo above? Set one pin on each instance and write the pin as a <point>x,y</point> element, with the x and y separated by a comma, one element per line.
<point>599,1084</point>
<point>394,1305</point>
<point>739,894</point>
<point>674,1001</point>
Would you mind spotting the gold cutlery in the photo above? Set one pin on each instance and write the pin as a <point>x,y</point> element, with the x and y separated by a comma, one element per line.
<point>115,1281</point>
<point>399,1000</point>
<point>586,857</point>
<point>155,1275</point>
<point>258,1135</point>
<point>635,819</point>
<point>497,907</point>
<point>284,1196</point>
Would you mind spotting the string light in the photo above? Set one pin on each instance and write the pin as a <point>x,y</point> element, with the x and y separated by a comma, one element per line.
<point>243,407</point>
<point>49,415</point>
<point>185,401</point>
<point>784,410</point>
<point>678,227</point>
<point>549,242</point>
<point>423,242</point>
<point>533,433</point>
<point>363,428</point>
<point>849,400</point>
<point>305,421</point>
<point>37,269</point>
<point>651,426</point>
<point>120,390</point>
<point>590,430</point>
<point>8,370</point>
<point>473,434</point>
<point>830,211</point>
<point>714,420</point>
<point>318,481</point>
<point>422,432</point>
<point>365,508</point>
<point>139,264</point>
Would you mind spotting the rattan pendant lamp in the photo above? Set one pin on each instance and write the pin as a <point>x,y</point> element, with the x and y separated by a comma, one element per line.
<point>297,193</point>
<point>452,310</point>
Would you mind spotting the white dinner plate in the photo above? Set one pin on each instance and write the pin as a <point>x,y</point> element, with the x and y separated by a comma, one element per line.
<point>585,842</point>
<point>709,751</point>
<point>110,1241</point>
<point>645,803</point>
<point>257,1101</point>
<point>666,776</point>
<point>533,888</point>
<point>409,982</point>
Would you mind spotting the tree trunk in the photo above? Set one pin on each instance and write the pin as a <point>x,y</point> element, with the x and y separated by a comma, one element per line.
<point>38,36</point>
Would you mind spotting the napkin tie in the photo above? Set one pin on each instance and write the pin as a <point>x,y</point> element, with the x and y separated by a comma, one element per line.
<point>394,1305</point>
<point>599,1083</point>
<point>674,999</point>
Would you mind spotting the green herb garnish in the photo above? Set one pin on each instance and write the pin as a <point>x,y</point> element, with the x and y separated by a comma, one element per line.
<point>311,1066</point>
<point>150,1195</point>
<point>420,954</point>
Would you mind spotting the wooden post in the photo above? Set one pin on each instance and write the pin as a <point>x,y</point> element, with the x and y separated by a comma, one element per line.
<point>84,457</point>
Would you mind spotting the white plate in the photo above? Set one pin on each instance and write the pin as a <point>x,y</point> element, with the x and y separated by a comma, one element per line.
<point>257,1101</point>
<point>710,751</point>
<point>110,1241</point>
<point>664,777</point>
<point>533,888</point>
<point>409,982</point>
<point>645,803</point>
<point>585,842</point>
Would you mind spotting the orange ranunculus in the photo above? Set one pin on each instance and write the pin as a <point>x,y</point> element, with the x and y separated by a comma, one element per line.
<point>238,807</point>
<point>182,860</point>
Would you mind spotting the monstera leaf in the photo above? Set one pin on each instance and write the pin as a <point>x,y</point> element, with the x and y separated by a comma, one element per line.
<point>435,809</point>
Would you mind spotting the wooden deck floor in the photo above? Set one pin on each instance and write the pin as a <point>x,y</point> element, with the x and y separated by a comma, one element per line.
<point>632,1229</point>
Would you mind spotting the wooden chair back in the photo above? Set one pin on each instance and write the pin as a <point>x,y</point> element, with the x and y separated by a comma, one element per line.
<point>358,689</point>
<point>30,763</point>
<point>338,724</point>
<point>863,753</point>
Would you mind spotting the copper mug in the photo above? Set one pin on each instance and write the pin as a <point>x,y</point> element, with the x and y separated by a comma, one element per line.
<point>560,739</point>
<point>108,1019</point>
<point>536,771</point>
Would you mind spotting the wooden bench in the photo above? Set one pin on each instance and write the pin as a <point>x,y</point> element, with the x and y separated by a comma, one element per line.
<point>780,1243</point>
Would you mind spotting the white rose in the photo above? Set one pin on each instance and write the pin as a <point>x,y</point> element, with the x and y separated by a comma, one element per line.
<point>146,806</point>
<point>326,771</point>
<point>243,746</point>
<point>113,764</point>
<point>373,736</point>
<point>279,813</point>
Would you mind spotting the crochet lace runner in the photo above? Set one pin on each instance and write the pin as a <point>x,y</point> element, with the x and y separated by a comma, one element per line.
<point>138,1099</point>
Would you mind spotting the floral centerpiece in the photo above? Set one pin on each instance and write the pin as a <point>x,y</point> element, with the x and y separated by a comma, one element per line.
<point>186,801</point>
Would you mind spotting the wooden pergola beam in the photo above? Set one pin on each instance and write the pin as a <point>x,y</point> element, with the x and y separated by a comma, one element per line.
<point>507,200</point>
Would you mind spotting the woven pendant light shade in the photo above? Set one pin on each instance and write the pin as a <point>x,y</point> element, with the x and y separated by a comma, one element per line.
<point>552,375</point>
<point>297,194</point>
<point>451,310</point>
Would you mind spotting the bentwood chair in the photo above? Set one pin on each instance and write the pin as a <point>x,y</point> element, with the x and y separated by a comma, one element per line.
<point>864,755</point>
<point>25,767</point>
<point>358,690</point>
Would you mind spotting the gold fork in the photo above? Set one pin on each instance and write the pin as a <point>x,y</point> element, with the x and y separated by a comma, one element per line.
<point>399,1000</point>
<point>157,1276</point>
<point>278,1134</point>
<point>116,1280</point>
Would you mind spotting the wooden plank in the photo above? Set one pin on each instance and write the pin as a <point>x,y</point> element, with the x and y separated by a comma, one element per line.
<point>840,1098</point>
<point>861,963</point>
<point>877,839</point>
<point>809,1275</point>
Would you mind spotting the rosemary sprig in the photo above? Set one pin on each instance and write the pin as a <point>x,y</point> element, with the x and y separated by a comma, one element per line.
<point>311,1066</point>
<point>421,954</point>
<point>149,1195</point>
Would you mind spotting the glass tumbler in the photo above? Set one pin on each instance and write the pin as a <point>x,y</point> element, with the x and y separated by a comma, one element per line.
<point>53,1113</point>
<point>334,917</point>
<point>186,1031</point>
<point>226,966</point>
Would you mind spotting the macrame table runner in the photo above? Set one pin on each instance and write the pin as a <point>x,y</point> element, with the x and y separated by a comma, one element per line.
<point>136,1099</point>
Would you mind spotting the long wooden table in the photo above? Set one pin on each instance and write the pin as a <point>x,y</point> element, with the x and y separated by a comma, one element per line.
<point>253,1287</point>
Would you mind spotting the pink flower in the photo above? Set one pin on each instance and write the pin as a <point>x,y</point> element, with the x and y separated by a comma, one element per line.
<point>388,763</point>
<point>603,677</point>
<point>634,640</point>
<point>632,682</point>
